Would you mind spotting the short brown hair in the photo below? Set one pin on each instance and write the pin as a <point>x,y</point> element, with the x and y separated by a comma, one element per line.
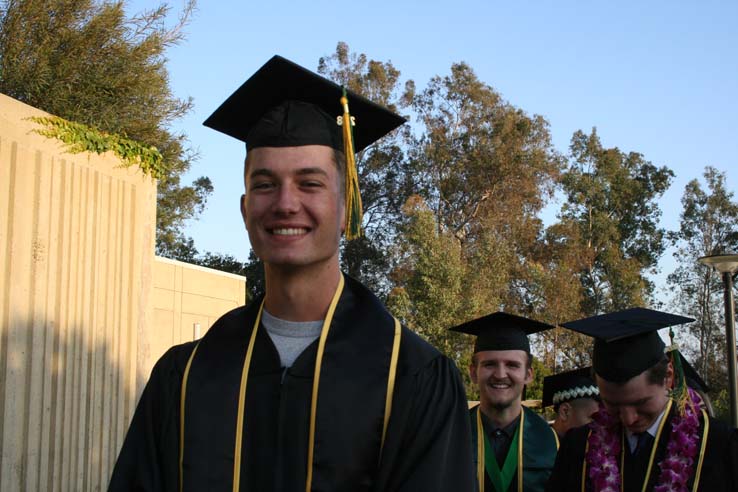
<point>656,374</point>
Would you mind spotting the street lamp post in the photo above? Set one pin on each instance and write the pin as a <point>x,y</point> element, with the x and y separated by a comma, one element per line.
<point>727,266</point>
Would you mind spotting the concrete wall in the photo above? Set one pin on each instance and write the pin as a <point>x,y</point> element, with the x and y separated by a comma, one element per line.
<point>76,259</point>
<point>187,295</point>
<point>85,307</point>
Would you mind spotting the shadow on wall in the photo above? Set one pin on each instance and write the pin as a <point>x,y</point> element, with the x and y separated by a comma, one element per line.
<point>68,395</point>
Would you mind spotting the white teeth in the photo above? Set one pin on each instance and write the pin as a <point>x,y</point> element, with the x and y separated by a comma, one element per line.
<point>288,232</point>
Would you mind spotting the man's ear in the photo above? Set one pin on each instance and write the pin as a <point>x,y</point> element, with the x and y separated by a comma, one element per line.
<point>564,411</point>
<point>529,375</point>
<point>243,208</point>
<point>669,377</point>
<point>473,372</point>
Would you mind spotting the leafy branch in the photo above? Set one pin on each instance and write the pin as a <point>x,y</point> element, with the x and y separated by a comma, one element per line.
<point>82,138</point>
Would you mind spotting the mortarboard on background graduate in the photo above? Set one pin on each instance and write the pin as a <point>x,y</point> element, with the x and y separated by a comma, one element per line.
<point>501,331</point>
<point>626,342</point>
<point>641,409</point>
<point>568,385</point>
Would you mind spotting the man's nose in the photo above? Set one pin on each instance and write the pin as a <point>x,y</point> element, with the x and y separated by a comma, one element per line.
<point>287,201</point>
<point>628,416</point>
<point>499,371</point>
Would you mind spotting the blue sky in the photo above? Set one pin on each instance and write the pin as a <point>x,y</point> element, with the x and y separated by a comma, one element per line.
<point>656,77</point>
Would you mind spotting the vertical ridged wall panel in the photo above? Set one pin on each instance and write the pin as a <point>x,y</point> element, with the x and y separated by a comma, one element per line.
<point>76,253</point>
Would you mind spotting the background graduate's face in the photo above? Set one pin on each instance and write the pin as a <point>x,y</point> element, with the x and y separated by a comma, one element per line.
<point>501,376</point>
<point>638,402</point>
<point>293,208</point>
<point>577,413</point>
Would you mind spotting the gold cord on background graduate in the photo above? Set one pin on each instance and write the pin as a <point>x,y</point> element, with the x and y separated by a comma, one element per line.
<point>353,196</point>
<point>679,392</point>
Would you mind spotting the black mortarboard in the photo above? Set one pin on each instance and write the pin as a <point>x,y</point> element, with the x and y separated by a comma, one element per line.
<point>626,342</point>
<point>569,385</point>
<point>501,331</point>
<point>283,104</point>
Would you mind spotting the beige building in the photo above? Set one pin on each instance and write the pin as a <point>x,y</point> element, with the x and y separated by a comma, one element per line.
<point>85,307</point>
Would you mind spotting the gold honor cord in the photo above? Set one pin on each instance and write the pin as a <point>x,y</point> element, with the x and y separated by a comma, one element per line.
<point>584,464</point>
<point>242,402</point>
<point>480,450</point>
<point>705,430</point>
<point>655,446</point>
<point>316,381</point>
<point>520,450</point>
<point>556,438</point>
<point>391,383</point>
<point>314,402</point>
<point>182,416</point>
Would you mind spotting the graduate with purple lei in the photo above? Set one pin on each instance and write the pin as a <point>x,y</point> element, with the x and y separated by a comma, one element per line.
<point>650,433</point>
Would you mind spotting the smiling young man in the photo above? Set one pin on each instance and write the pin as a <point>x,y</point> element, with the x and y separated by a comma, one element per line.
<point>514,449</point>
<point>643,439</point>
<point>313,386</point>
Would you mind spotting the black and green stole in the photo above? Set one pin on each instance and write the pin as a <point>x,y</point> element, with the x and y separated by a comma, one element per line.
<point>534,452</point>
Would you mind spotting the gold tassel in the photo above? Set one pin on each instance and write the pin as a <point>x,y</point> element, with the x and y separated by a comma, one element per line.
<point>353,196</point>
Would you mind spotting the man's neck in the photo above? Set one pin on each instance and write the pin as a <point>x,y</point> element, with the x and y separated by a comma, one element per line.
<point>559,427</point>
<point>502,417</point>
<point>300,294</point>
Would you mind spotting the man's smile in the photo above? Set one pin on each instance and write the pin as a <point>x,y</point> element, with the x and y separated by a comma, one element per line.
<point>289,231</point>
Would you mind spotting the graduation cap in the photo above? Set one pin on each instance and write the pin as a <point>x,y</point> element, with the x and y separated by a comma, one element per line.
<point>626,342</point>
<point>567,386</point>
<point>285,105</point>
<point>501,331</point>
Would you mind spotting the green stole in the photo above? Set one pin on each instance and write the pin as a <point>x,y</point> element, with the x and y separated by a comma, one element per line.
<point>535,450</point>
<point>501,478</point>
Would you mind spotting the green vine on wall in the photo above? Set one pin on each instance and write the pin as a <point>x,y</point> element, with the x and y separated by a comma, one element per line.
<point>82,138</point>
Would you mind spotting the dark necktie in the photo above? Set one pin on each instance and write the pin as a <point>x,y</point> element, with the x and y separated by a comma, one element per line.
<point>644,441</point>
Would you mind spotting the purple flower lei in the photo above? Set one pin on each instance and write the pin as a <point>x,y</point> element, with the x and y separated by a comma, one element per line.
<point>676,468</point>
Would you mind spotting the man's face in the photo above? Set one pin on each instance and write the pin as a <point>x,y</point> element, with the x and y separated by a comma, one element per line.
<point>292,207</point>
<point>637,402</point>
<point>501,376</point>
<point>577,413</point>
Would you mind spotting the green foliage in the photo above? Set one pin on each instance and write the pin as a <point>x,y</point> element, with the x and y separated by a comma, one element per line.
<point>611,199</point>
<point>482,170</point>
<point>86,62</point>
<point>721,405</point>
<point>708,225</point>
<point>82,138</point>
<point>534,391</point>
<point>384,177</point>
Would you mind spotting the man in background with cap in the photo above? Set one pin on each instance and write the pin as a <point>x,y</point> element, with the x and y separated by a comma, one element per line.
<point>514,448</point>
<point>650,434</point>
<point>574,397</point>
<point>314,386</point>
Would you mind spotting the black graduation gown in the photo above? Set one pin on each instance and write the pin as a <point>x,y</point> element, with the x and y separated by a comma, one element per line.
<point>539,452</point>
<point>719,469</point>
<point>427,445</point>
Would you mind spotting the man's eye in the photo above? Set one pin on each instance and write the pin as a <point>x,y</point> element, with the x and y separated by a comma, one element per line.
<point>261,185</point>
